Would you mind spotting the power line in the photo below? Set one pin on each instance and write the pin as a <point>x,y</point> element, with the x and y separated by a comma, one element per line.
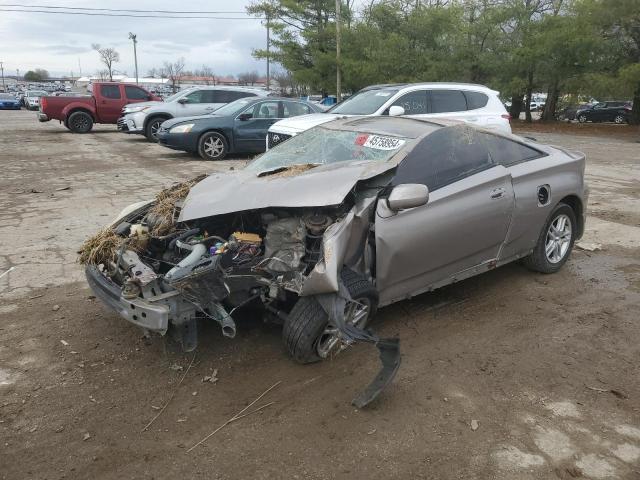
<point>128,15</point>
<point>116,9</point>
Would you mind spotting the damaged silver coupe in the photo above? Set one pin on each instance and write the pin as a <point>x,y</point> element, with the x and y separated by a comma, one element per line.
<point>334,223</point>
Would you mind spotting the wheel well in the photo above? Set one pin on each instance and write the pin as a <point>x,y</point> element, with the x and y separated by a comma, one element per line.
<point>576,205</point>
<point>166,116</point>
<point>75,110</point>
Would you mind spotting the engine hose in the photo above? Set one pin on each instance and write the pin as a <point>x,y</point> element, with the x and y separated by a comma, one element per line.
<point>182,236</point>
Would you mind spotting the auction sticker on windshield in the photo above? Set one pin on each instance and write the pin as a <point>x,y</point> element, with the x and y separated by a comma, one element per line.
<point>379,142</point>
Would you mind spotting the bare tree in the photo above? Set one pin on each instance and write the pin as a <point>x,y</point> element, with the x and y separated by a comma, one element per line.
<point>206,72</point>
<point>285,82</point>
<point>108,56</point>
<point>248,78</point>
<point>102,74</point>
<point>173,71</point>
<point>153,72</point>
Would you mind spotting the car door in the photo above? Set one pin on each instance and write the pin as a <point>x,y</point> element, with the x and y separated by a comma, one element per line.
<point>598,113</point>
<point>250,126</point>
<point>197,102</point>
<point>463,225</point>
<point>110,103</point>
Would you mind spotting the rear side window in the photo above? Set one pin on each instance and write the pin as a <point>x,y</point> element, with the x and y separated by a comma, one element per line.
<point>507,152</point>
<point>110,91</point>
<point>443,101</point>
<point>446,156</point>
<point>476,100</point>
<point>414,103</point>
<point>135,93</point>
<point>293,109</point>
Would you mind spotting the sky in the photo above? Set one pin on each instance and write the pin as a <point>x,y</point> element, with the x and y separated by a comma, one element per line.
<point>61,44</point>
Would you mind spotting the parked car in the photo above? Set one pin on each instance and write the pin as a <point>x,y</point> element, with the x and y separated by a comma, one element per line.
<point>475,104</point>
<point>31,99</point>
<point>79,113</point>
<point>8,101</point>
<point>569,112</point>
<point>342,219</point>
<point>611,111</point>
<point>238,127</point>
<point>146,118</point>
<point>536,106</point>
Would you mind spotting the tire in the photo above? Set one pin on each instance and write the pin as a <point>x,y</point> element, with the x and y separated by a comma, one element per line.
<point>582,118</point>
<point>619,119</point>
<point>80,122</point>
<point>212,146</point>
<point>152,128</point>
<point>540,260</point>
<point>304,332</point>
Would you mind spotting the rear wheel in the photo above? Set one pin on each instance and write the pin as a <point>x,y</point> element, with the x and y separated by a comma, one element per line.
<point>212,146</point>
<point>619,119</point>
<point>307,332</point>
<point>80,122</point>
<point>153,127</point>
<point>582,118</point>
<point>555,241</point>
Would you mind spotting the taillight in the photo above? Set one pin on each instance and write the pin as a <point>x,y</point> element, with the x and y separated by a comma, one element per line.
<point>43,103</point>
<point>506,115</point>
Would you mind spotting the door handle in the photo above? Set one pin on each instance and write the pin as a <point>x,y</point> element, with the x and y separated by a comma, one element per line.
<point>208,109</point>
<point>497,193</point>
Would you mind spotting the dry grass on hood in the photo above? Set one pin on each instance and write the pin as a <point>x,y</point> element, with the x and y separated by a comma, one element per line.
<point>103,247</point>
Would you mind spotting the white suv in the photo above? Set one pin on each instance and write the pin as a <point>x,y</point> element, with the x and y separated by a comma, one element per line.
<point>475,104</point>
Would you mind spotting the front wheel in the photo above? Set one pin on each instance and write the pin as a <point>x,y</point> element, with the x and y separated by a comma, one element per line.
<point>80,122</point>
<point>619,119</point>
<point>307,332</point>
<point>152,128</point>
<point>582,118</point>
<point>555,242</point>
<point>212,146</point>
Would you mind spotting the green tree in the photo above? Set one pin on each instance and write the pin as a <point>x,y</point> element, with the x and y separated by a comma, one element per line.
<point>37,75</point>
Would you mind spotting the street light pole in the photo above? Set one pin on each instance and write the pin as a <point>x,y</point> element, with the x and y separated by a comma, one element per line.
<point>135,53</point>
<point>2,70</point>
<point>268,52</point>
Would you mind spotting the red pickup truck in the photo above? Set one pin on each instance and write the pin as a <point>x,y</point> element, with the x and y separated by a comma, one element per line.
<point>104,106</point>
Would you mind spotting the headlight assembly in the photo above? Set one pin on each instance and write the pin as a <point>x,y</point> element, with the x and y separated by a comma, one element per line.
<point>184,128</point>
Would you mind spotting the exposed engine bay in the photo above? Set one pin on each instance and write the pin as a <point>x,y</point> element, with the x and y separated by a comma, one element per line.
<point>208,268</point>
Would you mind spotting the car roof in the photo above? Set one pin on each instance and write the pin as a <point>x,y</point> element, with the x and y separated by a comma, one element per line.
<point>385,125</point>
<point>227,87</point>
<point>465,86</point>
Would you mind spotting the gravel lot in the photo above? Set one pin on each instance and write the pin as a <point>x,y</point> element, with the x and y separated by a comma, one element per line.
<point>546,367</point>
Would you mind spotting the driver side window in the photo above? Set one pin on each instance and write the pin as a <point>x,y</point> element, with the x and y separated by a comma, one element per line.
<point>195,97</point>
<point>414,103</point>
<point>264,110</point>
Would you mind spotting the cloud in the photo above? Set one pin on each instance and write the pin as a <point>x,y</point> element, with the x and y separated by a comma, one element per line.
<point>62,44</point>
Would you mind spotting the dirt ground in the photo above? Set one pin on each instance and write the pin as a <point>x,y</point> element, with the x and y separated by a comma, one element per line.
<point>546,367</point>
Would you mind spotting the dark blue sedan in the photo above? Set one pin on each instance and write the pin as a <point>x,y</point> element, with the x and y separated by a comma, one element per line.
<point>9,102</point>
<point>238,127</point>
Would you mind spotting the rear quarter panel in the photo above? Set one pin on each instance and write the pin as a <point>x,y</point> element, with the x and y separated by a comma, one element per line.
<point>563,172</point>
<point>58,108</point>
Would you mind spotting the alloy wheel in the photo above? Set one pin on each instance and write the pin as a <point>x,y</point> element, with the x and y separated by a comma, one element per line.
<point>356,313</point>
<point>213,147</point>
<point>558,238</point>
<point>619,119</point>
<point>155,128</point>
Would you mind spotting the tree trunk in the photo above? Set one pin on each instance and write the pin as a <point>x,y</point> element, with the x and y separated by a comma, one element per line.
<point>549,113</point>
<point>635,111</point>
<point>527,107</point>
<point>516,106</point>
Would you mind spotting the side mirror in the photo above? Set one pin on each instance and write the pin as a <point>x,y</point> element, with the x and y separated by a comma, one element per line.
<point>183,100</point>
<point>408,195</point>
<point>396,111</point>
<point>243,117</point>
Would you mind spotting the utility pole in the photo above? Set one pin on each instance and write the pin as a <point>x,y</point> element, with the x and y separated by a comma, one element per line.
<point>135,53</point>
<point>2,70</point>
<point>79,67</point>
<point>17,74</point>
<point>268,50</point>
<point>338,79</point>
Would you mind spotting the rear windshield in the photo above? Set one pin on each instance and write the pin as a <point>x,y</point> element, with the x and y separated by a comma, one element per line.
<point>319,146</point>
<point>364,103</point>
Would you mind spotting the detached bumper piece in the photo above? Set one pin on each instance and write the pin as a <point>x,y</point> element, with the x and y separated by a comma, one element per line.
<point>43,117</point>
